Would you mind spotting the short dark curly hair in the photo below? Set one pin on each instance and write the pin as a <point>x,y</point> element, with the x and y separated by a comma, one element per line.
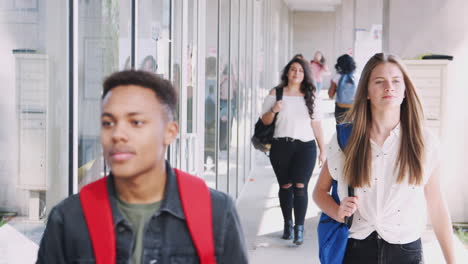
<point>345,64</point>
<point>163,89</point>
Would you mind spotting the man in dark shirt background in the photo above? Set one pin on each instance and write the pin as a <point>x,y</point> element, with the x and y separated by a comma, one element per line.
<point>137,126</point>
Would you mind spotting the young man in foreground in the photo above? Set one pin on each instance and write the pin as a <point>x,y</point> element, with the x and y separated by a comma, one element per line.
<point>137,126</point>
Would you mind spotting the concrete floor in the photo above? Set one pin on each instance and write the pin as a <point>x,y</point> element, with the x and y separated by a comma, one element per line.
<point>261,215</point>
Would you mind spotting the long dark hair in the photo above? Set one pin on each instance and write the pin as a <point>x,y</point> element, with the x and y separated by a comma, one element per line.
<point>307,86</point>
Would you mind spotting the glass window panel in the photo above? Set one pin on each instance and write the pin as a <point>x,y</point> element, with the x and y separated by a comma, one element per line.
<point>190,85</point>
<point>176,75</point>
<point>233,118</point>
<point>211,95</point>
<point>258,62</point>
<point>243,135</point>
<point>224,89</point>
<point>250,68</point>
<point>191,62</point>
<point>154,36</point>
<point>104,47</point>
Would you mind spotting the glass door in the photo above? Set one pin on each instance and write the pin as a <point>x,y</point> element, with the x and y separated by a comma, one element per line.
<point>189,96</point>
<point>183,153</point>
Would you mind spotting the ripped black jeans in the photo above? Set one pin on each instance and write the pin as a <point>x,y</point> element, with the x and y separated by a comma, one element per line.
<point>374,250</point>
<point>293,162</point>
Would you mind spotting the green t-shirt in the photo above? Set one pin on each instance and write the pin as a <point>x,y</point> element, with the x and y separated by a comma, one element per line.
<point>137,215</point>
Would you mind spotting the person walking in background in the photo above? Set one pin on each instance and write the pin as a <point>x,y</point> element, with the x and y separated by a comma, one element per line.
<point>392,163</point>
<point>319,69</point>
<point>293,152</point>
<point>148,216</point>
<point>343,85</point>
<point>298,56</point>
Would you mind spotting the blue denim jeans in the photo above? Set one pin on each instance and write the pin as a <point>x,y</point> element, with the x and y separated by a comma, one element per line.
<point>375,250</point>
<point>340,113</point>
<point>318,86</point>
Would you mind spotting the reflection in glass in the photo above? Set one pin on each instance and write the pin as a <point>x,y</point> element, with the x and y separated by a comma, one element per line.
<point>154,36</point>
<point>149,64</point>
<point>224,95</point>
<point>233,123</point>
<point>191,60</point>
<point>211,98</point>
<point>101,41</point>
<point>176,77</point>
<point>190,79</point>
<point>249,81</point>
<point>243,140</point>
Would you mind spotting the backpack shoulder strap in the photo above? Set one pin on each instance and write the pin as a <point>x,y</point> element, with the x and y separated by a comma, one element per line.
<point>343,131</point>
<point>95,203</point>
<point>196,202</point>
<point>345,78</point>
<point>279,93</point>
<point>340,81</point>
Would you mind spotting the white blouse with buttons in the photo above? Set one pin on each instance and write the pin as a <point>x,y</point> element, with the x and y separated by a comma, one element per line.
<point>293,120</point>
<point>396,211</point>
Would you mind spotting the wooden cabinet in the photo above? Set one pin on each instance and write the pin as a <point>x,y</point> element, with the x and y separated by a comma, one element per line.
<point>32,100</point>
<point>32,86</point>
<point>430,77</point>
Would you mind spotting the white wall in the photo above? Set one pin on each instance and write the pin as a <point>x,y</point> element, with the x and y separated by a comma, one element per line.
<point>330,32</point>
<point>368,23</point>
<point>344,41</point>
<point>432,26</point>
<point>368,12</point>
<point>315,31</point>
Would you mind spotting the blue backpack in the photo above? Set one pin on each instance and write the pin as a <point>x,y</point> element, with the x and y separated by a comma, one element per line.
<point>333,235</point>
<point>345,89</point>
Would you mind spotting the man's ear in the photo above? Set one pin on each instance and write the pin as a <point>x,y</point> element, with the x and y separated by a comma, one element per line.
<point>172,129</point>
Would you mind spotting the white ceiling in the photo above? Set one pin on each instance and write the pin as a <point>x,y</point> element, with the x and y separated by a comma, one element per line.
<point>313,5</point>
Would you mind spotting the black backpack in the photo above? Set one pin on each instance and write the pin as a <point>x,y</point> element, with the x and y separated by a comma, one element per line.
<point>263,134</point>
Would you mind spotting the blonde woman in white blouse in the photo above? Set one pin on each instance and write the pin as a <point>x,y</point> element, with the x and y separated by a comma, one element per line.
<point>391,161</point>
<point>298,131</point>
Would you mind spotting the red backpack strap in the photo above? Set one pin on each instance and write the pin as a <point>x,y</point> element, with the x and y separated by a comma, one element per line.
<point>98,215</point>
<point>196,202</point>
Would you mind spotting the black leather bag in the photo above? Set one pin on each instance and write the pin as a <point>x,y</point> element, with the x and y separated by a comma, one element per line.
<point>263,134</point>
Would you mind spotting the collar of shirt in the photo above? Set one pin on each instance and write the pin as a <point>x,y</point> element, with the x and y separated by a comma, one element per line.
<point>389,142</point>
<point>171,202</point>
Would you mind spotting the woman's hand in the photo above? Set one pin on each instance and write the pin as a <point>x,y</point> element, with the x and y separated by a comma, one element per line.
<point>332,90</point>
<point>318,133</point>
<point>321,158</point>
<point>277,107</point>
<point>347,207</point>
<point>440,216</point>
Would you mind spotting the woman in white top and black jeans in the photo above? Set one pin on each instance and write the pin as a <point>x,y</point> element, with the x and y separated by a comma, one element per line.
<point>293,151</point>
<point>391,161</point>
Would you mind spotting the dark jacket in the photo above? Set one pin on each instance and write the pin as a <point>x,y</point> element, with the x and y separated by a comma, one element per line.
<point>167,239</point>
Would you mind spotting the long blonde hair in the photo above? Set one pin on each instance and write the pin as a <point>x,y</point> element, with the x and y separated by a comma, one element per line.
<point>358,150</point>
